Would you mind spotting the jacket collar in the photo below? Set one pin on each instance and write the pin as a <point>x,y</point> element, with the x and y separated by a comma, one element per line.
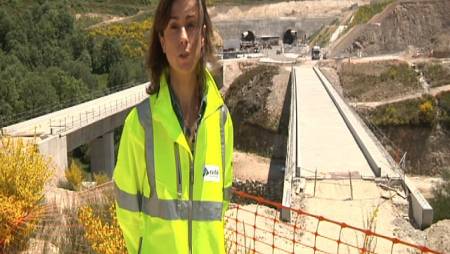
<point>162,109</point>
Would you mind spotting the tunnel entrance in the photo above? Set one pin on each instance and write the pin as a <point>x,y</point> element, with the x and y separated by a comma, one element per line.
<point>248,36</point>
<point>290,36</point>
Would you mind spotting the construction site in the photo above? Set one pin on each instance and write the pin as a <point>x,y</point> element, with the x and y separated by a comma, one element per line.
<point>341,134</point>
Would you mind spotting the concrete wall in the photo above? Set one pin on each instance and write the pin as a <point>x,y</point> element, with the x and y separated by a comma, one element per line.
<point>233,29</point>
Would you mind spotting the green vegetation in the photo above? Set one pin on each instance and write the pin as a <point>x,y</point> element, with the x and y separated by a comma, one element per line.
<point>47,62</point>
<point>441,200</point>
<point>444,106</point>
<point>436,74</point>
<point>373,81</point>
<point>366,12</point>
<point>246,99</point>
<point>76,174</point>
<point>322,36</point>
<point>416,112</point>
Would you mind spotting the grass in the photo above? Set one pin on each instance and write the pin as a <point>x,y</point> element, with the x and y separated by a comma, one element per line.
<point>322,37</point>
<point>436,74</point>
<point>377,81</point>
<point>366,12</point>
<point>444,107</point>
<point>441,200</point>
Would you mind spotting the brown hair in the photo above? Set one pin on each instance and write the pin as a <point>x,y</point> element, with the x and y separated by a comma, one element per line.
<point>156,60</point>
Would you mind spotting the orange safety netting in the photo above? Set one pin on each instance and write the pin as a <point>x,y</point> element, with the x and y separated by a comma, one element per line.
<point>252,225</point>
<point>257,228</point>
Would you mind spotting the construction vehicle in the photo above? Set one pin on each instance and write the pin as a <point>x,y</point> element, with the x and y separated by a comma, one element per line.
<point>315,53</point>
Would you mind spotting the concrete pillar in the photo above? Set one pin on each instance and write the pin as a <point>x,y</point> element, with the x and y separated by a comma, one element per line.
<point>102,154</point>
<point>55,148</point>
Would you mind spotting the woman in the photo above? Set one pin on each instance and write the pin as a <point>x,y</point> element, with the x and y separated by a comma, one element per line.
<point>174,172</point>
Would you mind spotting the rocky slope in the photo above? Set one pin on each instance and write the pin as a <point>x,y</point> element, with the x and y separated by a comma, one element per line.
<point>256,100</point>
<point>423,24</point>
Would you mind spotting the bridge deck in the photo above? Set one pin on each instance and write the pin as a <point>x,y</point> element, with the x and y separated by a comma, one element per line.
<point>324,140</point>
<point>72,118</point>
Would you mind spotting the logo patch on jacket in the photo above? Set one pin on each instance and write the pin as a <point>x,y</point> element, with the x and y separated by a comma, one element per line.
<point>211,173</point>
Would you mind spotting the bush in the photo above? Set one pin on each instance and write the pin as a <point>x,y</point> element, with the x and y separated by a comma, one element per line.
<point>419,112</point>
<point>102,232</point>
<point>441,200</point>
<point>74,175</point>
<point>101,178</point>
<point>23,173</point>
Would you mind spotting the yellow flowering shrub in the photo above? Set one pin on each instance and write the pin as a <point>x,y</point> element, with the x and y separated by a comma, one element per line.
<point>101,178</point>
<point>74,175</point>
<point>132,35</point>
<point>427,112</point>
<point>104,236</point>
<point>23,173</point>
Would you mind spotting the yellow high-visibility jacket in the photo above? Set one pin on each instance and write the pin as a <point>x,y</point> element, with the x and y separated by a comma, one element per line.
<point>171,199</point>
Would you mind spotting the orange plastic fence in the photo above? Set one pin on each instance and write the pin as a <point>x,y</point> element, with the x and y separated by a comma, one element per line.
<point>253,226</point>
<point>256,228</point>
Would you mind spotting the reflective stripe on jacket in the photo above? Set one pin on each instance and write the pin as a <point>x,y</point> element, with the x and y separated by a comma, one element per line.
<point>171,199</point>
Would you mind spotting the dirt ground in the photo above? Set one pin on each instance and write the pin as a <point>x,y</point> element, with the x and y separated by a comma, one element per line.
<point>370,208</point>
<point>249,166</point>
<point>303,9</point>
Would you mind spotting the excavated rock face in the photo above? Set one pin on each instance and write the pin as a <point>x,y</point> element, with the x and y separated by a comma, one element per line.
<point>256,100</point>
<point>422,24</point>
<point>438,237</point>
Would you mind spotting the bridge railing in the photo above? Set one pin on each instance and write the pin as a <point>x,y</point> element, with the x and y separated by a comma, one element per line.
<point>62,123</point>
<point>66,123</point>
<point>42,110</point>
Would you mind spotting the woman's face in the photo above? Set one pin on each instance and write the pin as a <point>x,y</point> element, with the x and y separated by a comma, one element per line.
<point>183,39</point>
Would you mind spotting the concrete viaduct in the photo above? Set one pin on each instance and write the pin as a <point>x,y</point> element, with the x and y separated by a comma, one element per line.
<point>92,123</point>
<point>327,140</point>
<point>324,134</point>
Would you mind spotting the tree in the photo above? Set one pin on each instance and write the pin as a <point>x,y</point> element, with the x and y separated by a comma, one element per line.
<point>68,88</point>
<point>5,27</point>
<point>78,42</point>
<point>119,75</point>
<point>110,53</point>
<point>38,93</point>
<point>86,59</point>
<point>79,70</point>
<point>11,75</point>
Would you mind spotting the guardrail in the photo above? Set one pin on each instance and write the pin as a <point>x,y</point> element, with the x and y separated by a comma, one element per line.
<point>291,152</point>
<point>62,123</point>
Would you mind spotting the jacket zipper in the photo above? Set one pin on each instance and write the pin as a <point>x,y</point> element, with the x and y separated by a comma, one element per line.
<point>140,245</point>
<point>179,176</point>
<point>191,187</point>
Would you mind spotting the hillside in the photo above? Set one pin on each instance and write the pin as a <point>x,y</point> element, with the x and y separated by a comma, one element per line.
<point>423,25</point>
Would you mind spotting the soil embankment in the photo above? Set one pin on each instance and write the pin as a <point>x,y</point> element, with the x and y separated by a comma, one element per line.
<point>260,111</point>
<point>405,116</point>
<point>424,25</point>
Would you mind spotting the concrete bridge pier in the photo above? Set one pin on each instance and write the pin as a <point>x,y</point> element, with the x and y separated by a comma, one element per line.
<point>56,149</point>
<point>102,154</point>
